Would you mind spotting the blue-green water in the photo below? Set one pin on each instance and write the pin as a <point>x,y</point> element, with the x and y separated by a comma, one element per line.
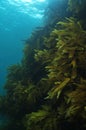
<point>18,18</point>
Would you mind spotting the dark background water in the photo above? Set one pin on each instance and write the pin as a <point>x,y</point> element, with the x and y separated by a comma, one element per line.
<point>18,18</point>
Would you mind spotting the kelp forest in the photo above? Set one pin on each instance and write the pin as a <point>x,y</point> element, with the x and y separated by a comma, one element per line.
<point>47,90</point>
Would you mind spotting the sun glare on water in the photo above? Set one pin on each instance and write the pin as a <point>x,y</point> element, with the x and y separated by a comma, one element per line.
<point>33,1</point>
<point>28,6</point>
<point>27,0</point>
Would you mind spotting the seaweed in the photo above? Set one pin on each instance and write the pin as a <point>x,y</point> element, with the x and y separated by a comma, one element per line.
<point>47,90</point>
<point>68,84</point>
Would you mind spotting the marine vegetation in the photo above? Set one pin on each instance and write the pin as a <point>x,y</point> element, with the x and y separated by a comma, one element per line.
<point>77,5</point>
<point>66,73</point>
<point>78,9</point>
<point>47,90</point>
<point>56,11</point>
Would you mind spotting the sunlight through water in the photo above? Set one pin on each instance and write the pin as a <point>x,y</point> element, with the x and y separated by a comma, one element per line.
<point>33,8</point>
<point>33,0</point>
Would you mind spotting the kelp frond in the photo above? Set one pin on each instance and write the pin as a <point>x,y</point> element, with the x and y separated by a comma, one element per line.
<point>58,89</point>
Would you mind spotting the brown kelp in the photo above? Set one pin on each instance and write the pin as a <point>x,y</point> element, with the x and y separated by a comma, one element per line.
<point>78,8</point>
<point>47,90</point>
<point>64,64</point>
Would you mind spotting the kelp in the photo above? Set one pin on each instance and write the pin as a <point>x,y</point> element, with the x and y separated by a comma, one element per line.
<point>43,119</point>
<point>58,89</point>
<point>64,67</point>
<point>55,11</point>
<point>66,60</point>
<point>14,73</point>
<point>47,90</point>
<point>41,54</point>
<point>32,70</point>
<point>39,115</point>
<point>77,5</point>
<point>77,101</point>
<point>78,9</point>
